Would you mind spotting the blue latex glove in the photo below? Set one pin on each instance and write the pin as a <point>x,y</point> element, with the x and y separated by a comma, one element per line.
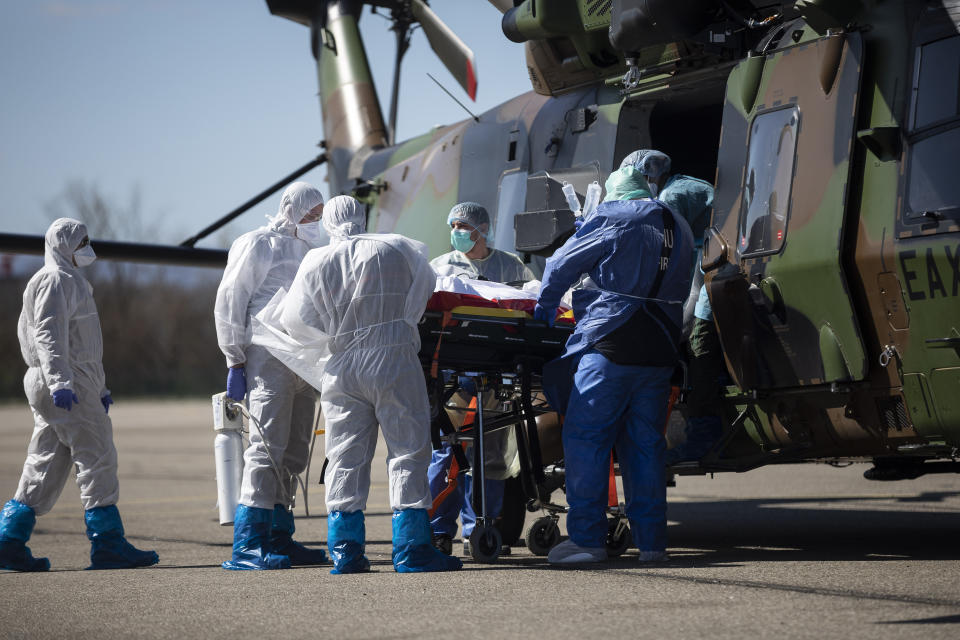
<point>577,223</point>
<point>236,383</point>
<point>544,315</point>
<point>106,401</point>
<point>65,399</point>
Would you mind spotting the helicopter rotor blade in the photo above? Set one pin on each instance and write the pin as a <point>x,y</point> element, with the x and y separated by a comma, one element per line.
<point>453,53</point>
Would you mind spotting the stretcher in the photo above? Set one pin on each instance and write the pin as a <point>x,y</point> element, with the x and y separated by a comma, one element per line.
<point>495,348</point>
<point>498,348</point>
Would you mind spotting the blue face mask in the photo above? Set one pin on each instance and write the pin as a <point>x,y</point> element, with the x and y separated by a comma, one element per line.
<point>460,239</point>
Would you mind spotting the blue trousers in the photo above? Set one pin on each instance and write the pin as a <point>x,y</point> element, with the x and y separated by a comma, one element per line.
<point>459,501</point>
<point>625,407</point>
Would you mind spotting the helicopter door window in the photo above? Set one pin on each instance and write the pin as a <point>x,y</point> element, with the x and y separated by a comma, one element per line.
<point>933,192</point>
<point>936,83</point>
<point>769,177</point>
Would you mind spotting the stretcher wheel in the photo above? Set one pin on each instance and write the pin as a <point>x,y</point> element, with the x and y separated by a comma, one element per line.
<point>618,536</point>
<point>543,535</point>
<point>485,544</point>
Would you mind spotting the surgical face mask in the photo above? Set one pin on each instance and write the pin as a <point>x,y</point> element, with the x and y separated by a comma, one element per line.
<point>84,257</point>
<point>311,233</point>
<point>460,239</point>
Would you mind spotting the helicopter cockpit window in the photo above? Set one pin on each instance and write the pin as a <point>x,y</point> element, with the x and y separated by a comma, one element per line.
<point>933,192</point>
<point>769,176</point>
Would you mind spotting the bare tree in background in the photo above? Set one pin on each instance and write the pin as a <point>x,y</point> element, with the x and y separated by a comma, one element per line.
<point>105,220</point>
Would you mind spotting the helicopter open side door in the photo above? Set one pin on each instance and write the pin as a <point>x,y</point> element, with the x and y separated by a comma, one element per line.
<point>773,257</point>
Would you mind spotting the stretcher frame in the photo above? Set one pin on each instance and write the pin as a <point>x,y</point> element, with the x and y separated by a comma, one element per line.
<point>501,353</point>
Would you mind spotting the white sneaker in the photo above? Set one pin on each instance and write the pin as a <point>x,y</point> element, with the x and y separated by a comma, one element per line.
<point>650,557</point>
<point>568,552</point>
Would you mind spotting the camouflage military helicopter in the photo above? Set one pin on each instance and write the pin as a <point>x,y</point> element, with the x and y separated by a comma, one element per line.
<point>832,258</point>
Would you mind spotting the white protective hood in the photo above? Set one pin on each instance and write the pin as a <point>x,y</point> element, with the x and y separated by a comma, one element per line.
<point>61,241</point>
<point>296,202</point>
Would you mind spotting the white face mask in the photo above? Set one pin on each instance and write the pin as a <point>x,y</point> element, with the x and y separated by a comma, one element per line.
<point>312,234</point>
<point>84,257</point>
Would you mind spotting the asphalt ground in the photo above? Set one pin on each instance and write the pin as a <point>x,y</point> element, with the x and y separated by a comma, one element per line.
<point>800,551</point>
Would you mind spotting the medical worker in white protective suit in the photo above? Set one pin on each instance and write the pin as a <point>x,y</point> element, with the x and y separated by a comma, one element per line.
<point>61,342</point>
<point>363,296</point>
<point>471,257</point>
<point>259,264</point>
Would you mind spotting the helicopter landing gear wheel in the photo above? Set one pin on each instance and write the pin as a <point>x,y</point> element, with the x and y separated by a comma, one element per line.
<point>485,544</point>
<point>543,535</point>
<point>618,536</point>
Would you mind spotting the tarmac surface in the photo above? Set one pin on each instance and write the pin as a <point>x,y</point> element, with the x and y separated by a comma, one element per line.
<point>802,551</point>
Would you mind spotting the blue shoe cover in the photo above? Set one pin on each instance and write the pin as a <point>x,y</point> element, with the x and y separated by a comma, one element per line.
<point>346,535</point>
<point>251,541</point>
<point>16,525</point>
<point>412,550</point>
<point>282,542</point>
<point>108,548</point>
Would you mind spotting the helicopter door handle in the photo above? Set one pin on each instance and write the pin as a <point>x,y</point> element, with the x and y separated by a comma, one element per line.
<point>715,250</point>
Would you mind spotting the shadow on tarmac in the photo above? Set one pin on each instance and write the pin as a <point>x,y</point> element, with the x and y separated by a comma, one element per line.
<point>938,620</point>
<point>775,530</point>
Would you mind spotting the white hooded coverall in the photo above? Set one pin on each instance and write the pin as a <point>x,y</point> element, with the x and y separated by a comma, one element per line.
<point>362,297</point>
<point>261,263</point>
<point>61,342</point>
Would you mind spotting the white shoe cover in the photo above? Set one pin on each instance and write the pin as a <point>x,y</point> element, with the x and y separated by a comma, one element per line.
<point>568,552</point>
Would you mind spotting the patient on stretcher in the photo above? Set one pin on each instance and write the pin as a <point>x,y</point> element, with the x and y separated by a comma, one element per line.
<point>453,293</point>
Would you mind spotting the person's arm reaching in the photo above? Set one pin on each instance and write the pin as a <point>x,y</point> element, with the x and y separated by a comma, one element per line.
<point>578,255</point>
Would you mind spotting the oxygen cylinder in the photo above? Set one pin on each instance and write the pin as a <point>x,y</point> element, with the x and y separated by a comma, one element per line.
<point>228,456</point>
<point>572,200</point>
<point>591,199</point>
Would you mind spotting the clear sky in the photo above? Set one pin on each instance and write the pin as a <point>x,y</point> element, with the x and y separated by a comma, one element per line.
<point>199,105</point>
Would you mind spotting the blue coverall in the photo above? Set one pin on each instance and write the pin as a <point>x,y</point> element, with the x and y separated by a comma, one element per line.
<point>606,405</point>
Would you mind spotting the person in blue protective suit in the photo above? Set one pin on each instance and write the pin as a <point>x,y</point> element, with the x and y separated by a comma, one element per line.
<point>499,455</point>
<point>471,257</point>
<point>61,342</point>
<point>693,199</point>
<point>360,300</point>
<point>613,380</point>
<point>261,263</point>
